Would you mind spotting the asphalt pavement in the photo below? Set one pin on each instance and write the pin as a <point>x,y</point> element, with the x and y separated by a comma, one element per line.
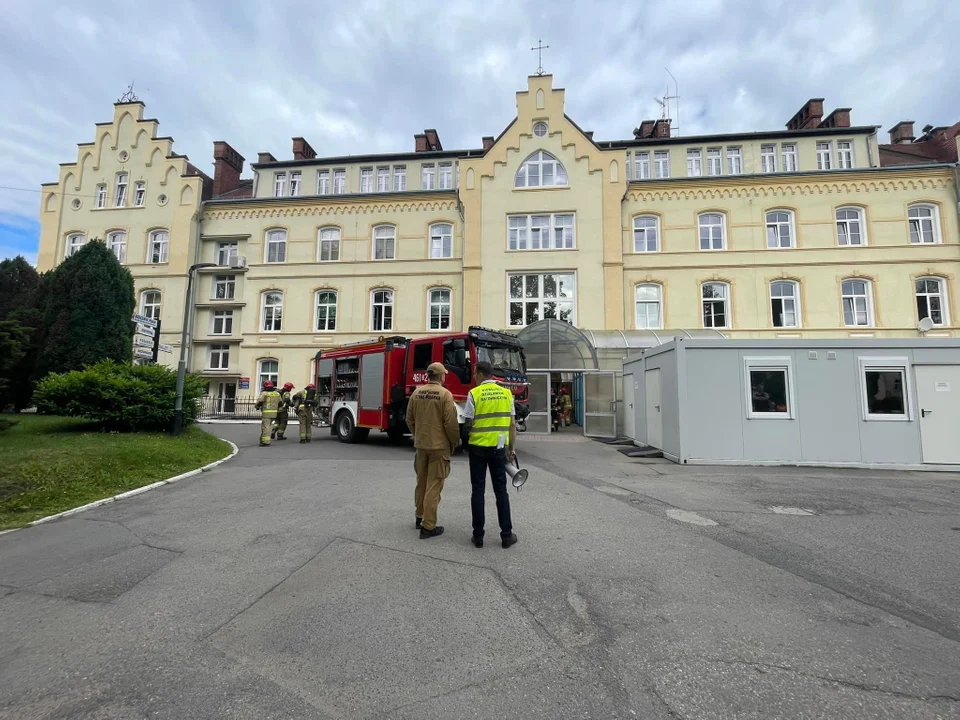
<point>290,583</point>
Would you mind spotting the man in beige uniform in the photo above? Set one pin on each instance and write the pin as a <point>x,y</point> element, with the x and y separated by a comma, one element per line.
<point>432,418</point>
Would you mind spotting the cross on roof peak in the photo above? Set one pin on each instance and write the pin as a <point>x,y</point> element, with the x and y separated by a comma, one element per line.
<point>540,47</point>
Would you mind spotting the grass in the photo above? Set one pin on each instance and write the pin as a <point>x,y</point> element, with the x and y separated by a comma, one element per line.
<point>50,464</point>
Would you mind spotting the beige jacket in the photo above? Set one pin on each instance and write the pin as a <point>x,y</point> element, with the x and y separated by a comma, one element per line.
<point>432,418</point>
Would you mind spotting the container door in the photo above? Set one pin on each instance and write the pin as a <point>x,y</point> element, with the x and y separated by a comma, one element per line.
<point>538,420</point>
<point>628,416</point>
<point>651,381</point>
<point>938,398</point>
<point>600,403</point>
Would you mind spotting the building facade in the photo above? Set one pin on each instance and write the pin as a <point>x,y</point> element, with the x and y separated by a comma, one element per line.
<point>794,233</point>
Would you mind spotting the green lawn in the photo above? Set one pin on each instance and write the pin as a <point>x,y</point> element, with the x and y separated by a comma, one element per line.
<point>50,464</point>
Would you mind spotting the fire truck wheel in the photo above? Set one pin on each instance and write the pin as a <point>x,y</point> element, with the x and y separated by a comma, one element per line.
<point>347,432</point>
<point>395,434</point>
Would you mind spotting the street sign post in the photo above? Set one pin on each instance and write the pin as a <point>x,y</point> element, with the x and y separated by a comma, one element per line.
<point>141,341</point>
<point>165,348</point>
<point>144,320</point>
<point>143,353</point>
<point>145,330</point>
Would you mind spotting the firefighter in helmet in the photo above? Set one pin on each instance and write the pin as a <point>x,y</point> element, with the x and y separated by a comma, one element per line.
<point>283,413</point>
<point>303,404</point>
<point>267,403</point>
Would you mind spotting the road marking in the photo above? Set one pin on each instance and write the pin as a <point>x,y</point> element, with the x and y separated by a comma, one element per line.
<point>784,510</point>
<point>689,517</point>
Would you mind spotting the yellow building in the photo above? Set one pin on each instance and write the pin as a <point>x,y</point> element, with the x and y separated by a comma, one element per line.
<point>792,233</point>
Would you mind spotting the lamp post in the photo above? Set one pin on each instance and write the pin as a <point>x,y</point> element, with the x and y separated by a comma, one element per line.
<point>182,365</point>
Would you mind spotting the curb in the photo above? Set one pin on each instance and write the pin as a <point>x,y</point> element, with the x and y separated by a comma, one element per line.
<point>134,492</point>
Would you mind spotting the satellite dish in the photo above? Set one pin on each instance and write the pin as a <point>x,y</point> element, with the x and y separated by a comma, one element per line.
<point>925,325</point>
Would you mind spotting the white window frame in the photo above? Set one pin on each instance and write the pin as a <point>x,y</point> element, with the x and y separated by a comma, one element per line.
<point>518,233</point>
<point>428,176</point>
<point>222,352</point>
<point>845,156</point>
<point>540,299</point>
<point>918,221</point>
<point>100,199</point>
<point>280,183</point>
<point>72,243</point>
<point>117,241</point>
<point>340,181</point>
<point>150,309</point>
<point>366,179</point>
<point>388,301</point>
<point>540,128</point>
<point>383,178</point>
<point>275,326</point>
<point>263,375</point>
<point>796,303</point>
<point>645,230</point>
<point>440,304</point>
<point>768,158</point>
<point>641,165</point>
<point>158,239</point>
<point>871,321</point>
<point>445,176</point>
<point>328,238</point>
<point>824,155</point>
<point>324,186</point>
<point>540,160</point>
<point>226,322</point>
<point>694,162</point>
<point>779,223</point>
<point>441,237</point>
<point>399,178</point>
<point>890,364</point>
<point>714,161</point>
<point>723,231</point>
<point>275,237</point>
<point>295,183</point>
<point>637,302</point>
<point>139,193</point>
<point>769,363</point>
<point>726,304</point>
<point>120,190</point>
<point>382,238</point>
<point>860,220</point>
<point>226,250</point>
<point>661,164</point>
<point>788,157</point>
<point>327,305</point>
<point>735,160</point>
<point>229,282</point>
<point>941,293</point>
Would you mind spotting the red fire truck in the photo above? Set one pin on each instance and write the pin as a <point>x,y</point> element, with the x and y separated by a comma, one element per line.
<point>365,386</point>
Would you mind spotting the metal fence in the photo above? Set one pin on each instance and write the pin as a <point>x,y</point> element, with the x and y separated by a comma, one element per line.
<point>212,407</point>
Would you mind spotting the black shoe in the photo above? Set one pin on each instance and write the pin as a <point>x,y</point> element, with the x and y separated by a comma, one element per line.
<point>477,542</point>
<point>273,434</point>
<point>302,442</point>
<point>264,444</point>
<point>508,540</point>
<point>419,523</point>
<point>424,533</point>
<point>308,439</point>
<point>280,437</point>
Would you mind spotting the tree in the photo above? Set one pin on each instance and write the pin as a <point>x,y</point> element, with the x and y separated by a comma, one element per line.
<point>13,337</point>
<point>86,315</point>
<point>19,282</point>
<point>20,302</point>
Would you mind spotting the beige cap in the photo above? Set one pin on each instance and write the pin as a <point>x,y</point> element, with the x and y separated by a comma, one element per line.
<point>436,369</point>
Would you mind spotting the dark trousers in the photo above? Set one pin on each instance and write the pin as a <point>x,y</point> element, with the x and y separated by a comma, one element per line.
<point>482,458</point>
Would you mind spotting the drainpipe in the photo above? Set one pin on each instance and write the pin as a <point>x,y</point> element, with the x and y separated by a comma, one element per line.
<point>196,259</point>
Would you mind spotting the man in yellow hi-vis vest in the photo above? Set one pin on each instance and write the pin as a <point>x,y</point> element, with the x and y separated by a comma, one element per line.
<point>268,403</point>
<point>491,423</point>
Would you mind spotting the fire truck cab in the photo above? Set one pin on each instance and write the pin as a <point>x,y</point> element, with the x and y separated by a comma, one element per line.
<point>365,386</point>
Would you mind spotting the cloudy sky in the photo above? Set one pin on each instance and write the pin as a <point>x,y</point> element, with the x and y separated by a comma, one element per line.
<point>364,76</point>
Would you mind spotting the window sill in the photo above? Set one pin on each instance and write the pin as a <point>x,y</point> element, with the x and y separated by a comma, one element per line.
<point>885,418</point>
<point>540,250</point>
<point>107,209</point>
<point>769,416</point>
<point>546,189</point>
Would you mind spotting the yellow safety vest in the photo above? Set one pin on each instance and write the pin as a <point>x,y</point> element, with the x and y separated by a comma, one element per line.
<point>269,401</point>
<point>491,414</point>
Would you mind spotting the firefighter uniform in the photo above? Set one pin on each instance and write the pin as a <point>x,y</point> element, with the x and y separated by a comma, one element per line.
<point>283,413</point>
<point>267,404</point>
<point>303,403</point>
<point>432,418</point>
<point>490,406</point>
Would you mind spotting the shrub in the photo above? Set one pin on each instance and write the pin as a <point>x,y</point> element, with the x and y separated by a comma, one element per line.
<point>121,396</point>
<point>7,424</point>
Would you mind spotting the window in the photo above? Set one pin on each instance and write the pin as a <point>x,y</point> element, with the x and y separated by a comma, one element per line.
<point>824,156</point>
<point>267,369</point>
<point>222,322</point>
<point>446,176</point>
<point>645,233</point>
<point>541,170</point>
<point>120,195</point>
<point>924,224</point>
<point>734,160</point>
<point>441,240</point>
<point>399,178</point>
<point>150,304</point>
<point>225,251</point>
<point>117,244</point>
<point>427,176</point>
<point>844,154</point>
<point>279,184</point>
<point>641,163</point>
<point>366,180</point>
<point>440,306</point>
<point>422,355</point>
<point>714,161</point>
<point>157,247</point>
<point>328,244</point>
<point>886,388</point>
<point>540,129</point>
<point>323,182</point>
<point>694,163</point>
<point>381,310</point>
<point>769,385</point>
<point>275,250</point>
<point>383,179</point>
<point>779,229</point>
<point>326,310</point>
<point>857,302</point>
<point>271,311</point>
<point>295,183</point>
<point>339,182</point>
<point>100,199</point>
<point>712,231</point>
<point>537,297</point>
<point>384,242</point>
<point>850,227</point>
<point>224,287</point>
<point>219,357</point>
<point>931,300</point>
<point>139,193</point>
<point>715,298</point>
<point>649,306</point>
<point>768,158</point>
<point>540,232</point>
<point>788,154</point>
<point>785,303</point>
<point>75,241</point>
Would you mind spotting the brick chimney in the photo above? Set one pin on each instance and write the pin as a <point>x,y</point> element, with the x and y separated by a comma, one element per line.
<point>427,141</point>
<point>488,141</point>
<point>645,130</point>
<point>902,132</point>
<point>808,117</point>
<point>227,167</point>
<point>661,128</point>
<point>265,157</point>
<point>302,150</point>
<point>839,118</point>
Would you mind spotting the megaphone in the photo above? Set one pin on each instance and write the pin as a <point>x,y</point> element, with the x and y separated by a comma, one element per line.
<point>517,476</point>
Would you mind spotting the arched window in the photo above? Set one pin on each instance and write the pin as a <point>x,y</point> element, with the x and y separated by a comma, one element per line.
<point>117,244</point>
<point>75,241</point>
<point>715,302</point>
<point>785,303</point>
<point>857,297</point>
<point>932,300</point>
<point>541,170</point>
<point>326,310</point>
<point>713,231</point>
<point>384,242</point>
<point>381,310</point>
<point>267,369</point>
<point>851,229</point>
<point>328,244</point>
<point>271,311</point>
<point>275,246</point>
<point>439,307</point>
<point>441,240</point>
<point>649,303</point>
<point>157,246</point>
<point>646,233</point>
<point>924,224</point>
<point>150,304</point>
<point>780,229</point>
